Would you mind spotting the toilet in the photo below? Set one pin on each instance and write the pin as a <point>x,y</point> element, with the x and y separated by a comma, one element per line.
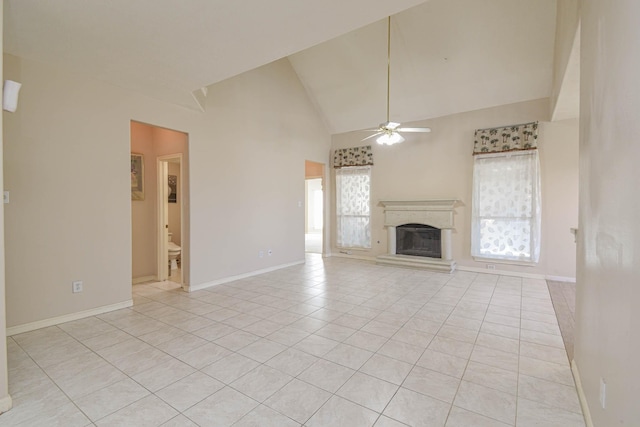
<point>174,253</point>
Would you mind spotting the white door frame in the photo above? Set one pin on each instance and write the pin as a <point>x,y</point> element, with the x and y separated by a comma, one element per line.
<point>163,212</point>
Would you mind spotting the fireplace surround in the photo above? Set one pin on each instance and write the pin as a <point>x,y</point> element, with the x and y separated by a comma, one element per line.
<point>434,214</point>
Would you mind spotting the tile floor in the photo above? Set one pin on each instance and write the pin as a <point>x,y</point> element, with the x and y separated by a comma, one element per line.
<point>333,342</point>
<point>563,296</point>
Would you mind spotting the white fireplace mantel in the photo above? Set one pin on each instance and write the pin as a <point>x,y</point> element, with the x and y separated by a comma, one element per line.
<point>436,213</point>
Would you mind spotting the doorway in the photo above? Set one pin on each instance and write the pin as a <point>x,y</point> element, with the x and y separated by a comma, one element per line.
<point>160,207</point>
<point>314,207</point>
<point>170,230</point>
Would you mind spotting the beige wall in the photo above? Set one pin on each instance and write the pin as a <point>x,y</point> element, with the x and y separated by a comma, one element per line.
<point>69,218</point>
<point>67,161</point>
<point>5,400</point>
<point>607,341</point>
<point>144,261</point>
<point>440,165</point>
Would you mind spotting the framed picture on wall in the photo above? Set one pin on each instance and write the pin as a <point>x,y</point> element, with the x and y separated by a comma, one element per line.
<point>137,177</point>
<point>173,188</point>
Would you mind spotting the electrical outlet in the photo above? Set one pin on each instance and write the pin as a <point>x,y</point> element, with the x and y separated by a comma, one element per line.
<point>76,286</point>
<point>261,254</point>
<point>491,267</point>
<point>269,252</point>
<point>603,393</point>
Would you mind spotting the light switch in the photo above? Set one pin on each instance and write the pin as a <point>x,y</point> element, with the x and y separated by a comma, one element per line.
<point>5,197</point>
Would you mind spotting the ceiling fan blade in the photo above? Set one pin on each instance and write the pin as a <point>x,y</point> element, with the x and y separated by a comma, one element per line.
<point>414,129</point>
<point>372,136</point>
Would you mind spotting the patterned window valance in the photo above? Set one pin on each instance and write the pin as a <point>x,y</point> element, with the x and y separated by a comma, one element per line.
<point>510,138</point>
<point>355,156</point>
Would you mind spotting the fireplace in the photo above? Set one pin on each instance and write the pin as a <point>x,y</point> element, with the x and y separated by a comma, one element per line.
<point>418,240</point>
<point>419,234</point>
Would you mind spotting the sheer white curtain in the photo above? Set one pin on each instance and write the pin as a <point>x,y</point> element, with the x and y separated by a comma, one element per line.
<point>353,192</point>
<point>506,207</point>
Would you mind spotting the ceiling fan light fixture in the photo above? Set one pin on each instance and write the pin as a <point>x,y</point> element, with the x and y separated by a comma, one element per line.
<point>389,138</point>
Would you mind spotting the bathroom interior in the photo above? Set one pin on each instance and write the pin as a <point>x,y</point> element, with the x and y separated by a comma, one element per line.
<point>164,160</point>
<point>174,220</point>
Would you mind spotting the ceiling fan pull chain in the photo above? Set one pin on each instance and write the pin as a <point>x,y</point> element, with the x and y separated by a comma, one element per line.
<point>388,66</point>
<point>388,133</point>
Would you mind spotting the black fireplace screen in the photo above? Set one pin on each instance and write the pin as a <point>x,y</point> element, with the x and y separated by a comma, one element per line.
<point>418,240</point>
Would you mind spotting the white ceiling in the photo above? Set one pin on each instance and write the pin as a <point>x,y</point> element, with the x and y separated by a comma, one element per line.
<point>167,48</point>
<point>448,56</point>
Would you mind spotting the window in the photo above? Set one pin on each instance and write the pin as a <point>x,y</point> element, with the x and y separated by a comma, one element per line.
<point>506,207</point>
<point>353,191</point>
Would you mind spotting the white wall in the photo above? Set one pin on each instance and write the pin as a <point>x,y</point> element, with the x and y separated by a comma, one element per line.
<point>439,165</point>
<point>67,161</point>
<point>559,163</point>
<point>5,399</point>
<point>607,335</point>
<point>174,208</point>
<point>567,25</point>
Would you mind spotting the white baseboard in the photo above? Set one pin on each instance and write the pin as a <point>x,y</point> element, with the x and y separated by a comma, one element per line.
<point>27,327</point>
<point>564,279</point>
<point>193,288</point>
<point>583,398</point>
<point>143,279</point>
<point>5,404</point>
<point>500,272</point>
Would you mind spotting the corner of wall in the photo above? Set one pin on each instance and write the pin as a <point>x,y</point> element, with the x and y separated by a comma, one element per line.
<point>5,399</point>
<point>581,396</point>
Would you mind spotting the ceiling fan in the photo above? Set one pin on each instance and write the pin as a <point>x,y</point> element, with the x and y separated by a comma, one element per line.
<point>388,133</point>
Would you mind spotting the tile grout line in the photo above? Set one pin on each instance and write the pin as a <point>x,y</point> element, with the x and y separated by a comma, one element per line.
<point>399,294</point>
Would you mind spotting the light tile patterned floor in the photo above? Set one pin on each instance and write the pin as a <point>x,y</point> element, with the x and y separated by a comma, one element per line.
<point>333,342</point>
<point>563,296</point>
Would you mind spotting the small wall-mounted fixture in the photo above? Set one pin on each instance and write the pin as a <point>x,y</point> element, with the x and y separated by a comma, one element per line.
<point>10,95</point>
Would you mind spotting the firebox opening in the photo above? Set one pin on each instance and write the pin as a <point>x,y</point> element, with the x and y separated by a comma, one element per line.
<point>418,240</point>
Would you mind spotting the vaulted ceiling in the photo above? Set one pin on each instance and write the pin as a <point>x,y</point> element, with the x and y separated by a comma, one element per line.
<point>447,56</point>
